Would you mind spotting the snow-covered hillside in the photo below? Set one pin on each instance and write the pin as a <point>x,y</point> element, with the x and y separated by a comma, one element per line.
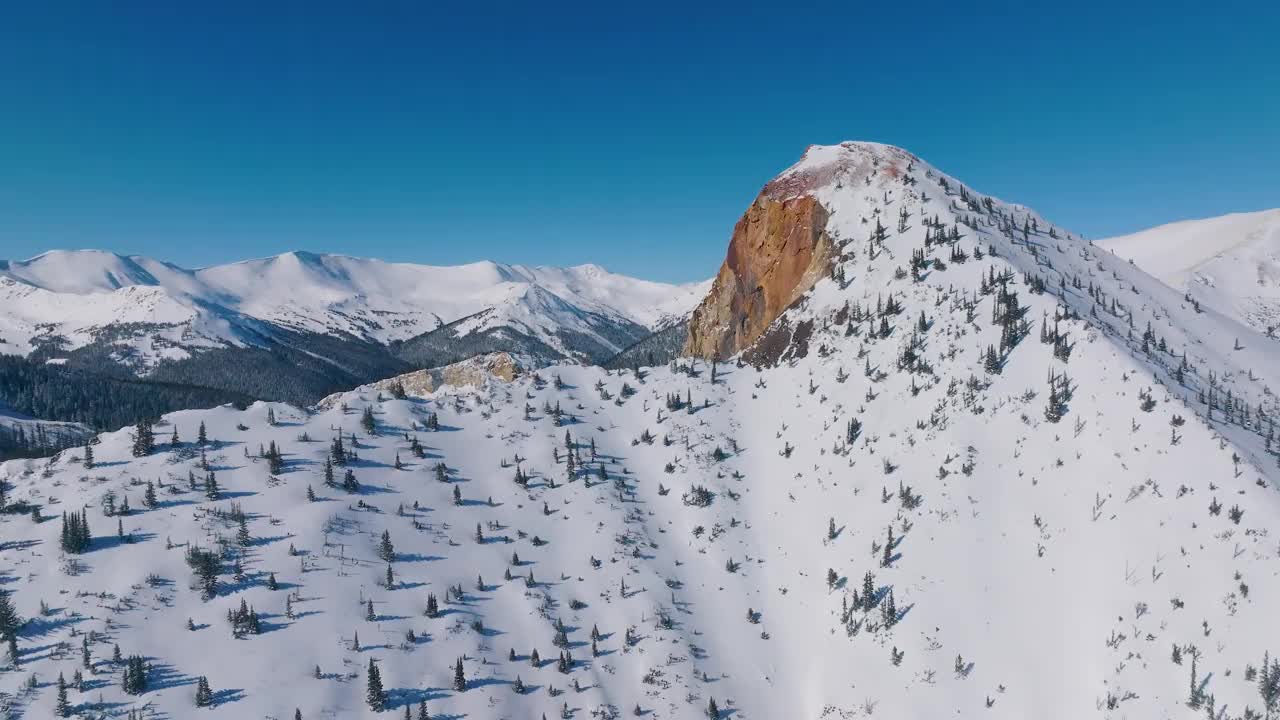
<point>22,436</point>
<point>1229,263</point>
<point>148,310</point>
<point>965,481</point>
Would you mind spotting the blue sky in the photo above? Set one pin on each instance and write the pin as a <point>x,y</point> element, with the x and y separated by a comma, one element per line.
<point>630,135</point>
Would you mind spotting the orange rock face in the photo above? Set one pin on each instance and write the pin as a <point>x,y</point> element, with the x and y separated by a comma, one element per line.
<point>779,249</point>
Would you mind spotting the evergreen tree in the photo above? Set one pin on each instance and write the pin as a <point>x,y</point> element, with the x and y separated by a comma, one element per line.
<point>275,460</point>
<point>88,456</point>
<point>368,422</point>
<point>459,677</point>
<point>713,711</point>
<point>149,497</point>
<point>868,592</point>
<point>386,550</point>
<point>62,707</point>
<point>134,680</point>
<point>374,694</point>
<point>143,439</point>
<point>204,694</point>
<point>202,438</point>
<point>75,537</point>
<point>349,483</point>
<point>422,710</point>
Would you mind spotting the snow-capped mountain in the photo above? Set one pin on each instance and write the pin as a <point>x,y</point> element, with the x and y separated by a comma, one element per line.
<point>144,310</point>
<point>952,460</point>
<point>1229,263</point>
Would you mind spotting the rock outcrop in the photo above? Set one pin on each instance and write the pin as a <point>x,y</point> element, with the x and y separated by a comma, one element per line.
<point>779,249</point>
<point>472,372</point>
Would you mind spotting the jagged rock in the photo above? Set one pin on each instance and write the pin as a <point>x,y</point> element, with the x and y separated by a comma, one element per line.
<point>472,372</point>
<point>779,249</point>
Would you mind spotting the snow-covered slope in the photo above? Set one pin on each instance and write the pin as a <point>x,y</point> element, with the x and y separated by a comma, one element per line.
<point>914,508</point>
<point>155,310</point>
<point>1229,263</point>
<point>23,436</point>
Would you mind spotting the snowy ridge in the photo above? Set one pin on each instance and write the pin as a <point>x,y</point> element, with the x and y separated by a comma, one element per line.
<point>160,310</point>
<point>884,519</point>
<point>1229,263</point>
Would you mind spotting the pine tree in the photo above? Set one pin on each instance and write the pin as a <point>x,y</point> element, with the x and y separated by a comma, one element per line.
<point>368,422</point>
<point>134,680</point>
<point>328,471</point>
<point>386,550</point>
<point>149,497</point>
<point>62,708</point>
<point>204,694</point>
<point>374,694</point>
<point>75,537</point>
<point>202,438</point>
<point>422,710</point>
<point>88,456</point>
<point>459,677</point>
<point>349,483</point>
<point>713,712</point>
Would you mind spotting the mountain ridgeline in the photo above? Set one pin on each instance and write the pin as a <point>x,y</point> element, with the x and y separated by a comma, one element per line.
<point>80,330</point>
<point>919,452</point>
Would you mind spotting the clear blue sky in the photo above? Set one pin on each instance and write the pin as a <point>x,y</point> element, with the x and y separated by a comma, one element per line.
<point>627,134</point>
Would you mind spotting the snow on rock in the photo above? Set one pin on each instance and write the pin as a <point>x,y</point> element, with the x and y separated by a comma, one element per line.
<point>472,372</point>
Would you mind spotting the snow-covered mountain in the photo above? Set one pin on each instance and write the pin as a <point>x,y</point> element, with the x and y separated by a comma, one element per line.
<point>1229,263</point>
<point>953,461</point>
<point>145,310</point>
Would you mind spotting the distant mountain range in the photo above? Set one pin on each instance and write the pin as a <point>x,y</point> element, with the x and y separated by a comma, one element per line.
<point>300,325</point>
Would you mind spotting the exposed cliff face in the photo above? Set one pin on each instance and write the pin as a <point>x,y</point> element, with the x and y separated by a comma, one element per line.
<point>779,249</point>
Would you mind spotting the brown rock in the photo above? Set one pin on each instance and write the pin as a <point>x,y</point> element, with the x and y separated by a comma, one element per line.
<point>779,249</point>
